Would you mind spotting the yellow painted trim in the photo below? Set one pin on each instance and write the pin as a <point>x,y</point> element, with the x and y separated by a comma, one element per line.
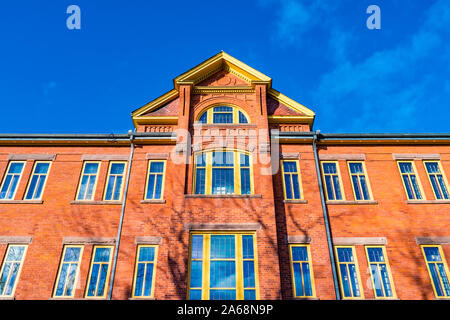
<point>338,172</point>
<point>388,268</point>
<point>123,180</point>
<point>162,182</point>
<point>18,182</point>
<point>221,61</point>
<point>366,176</point>
<point>278,96</point>
<point>40,174</point>
<point>154,262</point>
<point>313,287</point>
<point>76,273</point>
<point>156,103</point>
<point>88,280</point>
<point>355,258</point>
<point>21,262</point>
<point>89,174</point>
<point>444,262</point>
<point>413,165</point>
<point>299,178</point>
<point>239,260</point>
<point>444,177</point>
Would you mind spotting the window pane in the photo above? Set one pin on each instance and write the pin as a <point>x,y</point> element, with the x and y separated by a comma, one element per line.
<point>15,168</point>
<point>245,181</point>
<point>222,181</point>
<point>247,247</point>
<point>41,168</point>
<point>195,294</point>
<point>146,254</point>
<point>91,168</point>
<point>223,274</point>
<point>139,279</point>
<point>299,254</point>
<point>385,279</point>
<point>295,185</point>
<point>288,186</point>
<point>148,280</point>
<point>249,295</point>
<point>242,118</point>
<point>337,187</point>
<point>307,279</point>
<point>196,274</point>
<point>117,168</point>
<point>222,294</point>
<point>203,118</point>
<point>298,278</point>
<point>356,168</point>
<point>222,246</point>
<point>157,167</point>
<point>222,118</point>
<point>197,247</point>
<point>249,274</point>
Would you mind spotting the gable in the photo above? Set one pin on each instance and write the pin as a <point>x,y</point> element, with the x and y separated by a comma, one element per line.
<point>218,74</point>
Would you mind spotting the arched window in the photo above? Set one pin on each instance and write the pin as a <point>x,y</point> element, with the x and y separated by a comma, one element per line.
<point>223,115</point>
<point>223,171</point>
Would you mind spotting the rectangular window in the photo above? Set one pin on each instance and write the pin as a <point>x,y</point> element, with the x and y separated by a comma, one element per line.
<point>155,180</point>
<point>37,180</point>
<point>99,273</point>
<point>360,183</point>
<point>11,180</point>
<point>291,181</point>
<point>222,172</point>
<point>437,179</point>
<point>301,270</point>
<point>12,265</point>
<point>410,180</point>
<point>222,114</point>
<point>68,271</point>
<point>223,267</point>
<point>332,179</point>
<point>115,179</point>
<point>144,273</point>
<point>88,181</point>
<point>437,269</point>
<point>349,273</point>
<point>383,285</point>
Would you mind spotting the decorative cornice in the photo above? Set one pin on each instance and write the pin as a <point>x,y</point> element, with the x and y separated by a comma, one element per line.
<point>219,89</point>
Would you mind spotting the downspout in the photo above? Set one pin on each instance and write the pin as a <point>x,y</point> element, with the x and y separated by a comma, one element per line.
<point>119,231</point>
<point>325,218</point>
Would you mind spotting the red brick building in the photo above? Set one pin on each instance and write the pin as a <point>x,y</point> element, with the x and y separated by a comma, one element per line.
<point>223,191</point>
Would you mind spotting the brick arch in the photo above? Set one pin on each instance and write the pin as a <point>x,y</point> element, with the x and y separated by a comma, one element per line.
<point>232,101</point>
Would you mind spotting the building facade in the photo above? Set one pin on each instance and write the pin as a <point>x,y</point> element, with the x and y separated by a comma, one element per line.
<point>223,191</point>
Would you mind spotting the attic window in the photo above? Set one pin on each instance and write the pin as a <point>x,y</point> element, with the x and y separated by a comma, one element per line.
<point>223,115</point>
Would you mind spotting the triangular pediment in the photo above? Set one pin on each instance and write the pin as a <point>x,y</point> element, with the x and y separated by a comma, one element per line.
<point>221,73</point>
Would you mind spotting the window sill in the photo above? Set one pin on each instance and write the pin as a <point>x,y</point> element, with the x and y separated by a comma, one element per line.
<point>143,298</point>
<point>96,202</point>
<point>7,298</point>
<point>22,201</point>
<point>70,298</point>
<point>295,201</point>
<point>222,196</point>
<point>153,201</point>
<point>309,298</point>
<point>351,202</point>
<point>427,201</point>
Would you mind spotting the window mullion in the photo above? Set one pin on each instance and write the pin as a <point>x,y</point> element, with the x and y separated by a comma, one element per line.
<point>206,266</point>
<point>239,268</point>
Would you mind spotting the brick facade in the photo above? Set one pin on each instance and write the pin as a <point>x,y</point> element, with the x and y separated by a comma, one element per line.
<point>57,219</point>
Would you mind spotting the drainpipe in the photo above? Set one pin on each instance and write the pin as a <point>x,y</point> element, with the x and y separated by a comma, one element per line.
<point>119,232</point>
<point>325,218</point>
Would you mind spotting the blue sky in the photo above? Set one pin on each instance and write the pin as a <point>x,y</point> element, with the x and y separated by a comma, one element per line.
<point>319,53</point>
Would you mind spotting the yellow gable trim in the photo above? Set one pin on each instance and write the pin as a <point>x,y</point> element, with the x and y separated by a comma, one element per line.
<point>290,103</point>
<point>221,61</point>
